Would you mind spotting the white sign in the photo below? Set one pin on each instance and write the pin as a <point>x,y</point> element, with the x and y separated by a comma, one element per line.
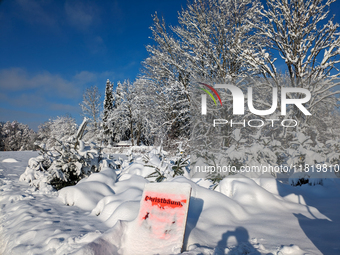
<point>160,225</point>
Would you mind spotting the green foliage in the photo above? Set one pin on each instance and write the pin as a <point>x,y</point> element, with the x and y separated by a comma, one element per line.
<point>158,174</point>
<point>181,162</point>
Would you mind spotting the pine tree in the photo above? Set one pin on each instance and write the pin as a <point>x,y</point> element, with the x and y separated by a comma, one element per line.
<point>108,106</point>
<point>125,111</point>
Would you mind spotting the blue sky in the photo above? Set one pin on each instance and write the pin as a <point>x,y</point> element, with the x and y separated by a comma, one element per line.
<point>50,51</point>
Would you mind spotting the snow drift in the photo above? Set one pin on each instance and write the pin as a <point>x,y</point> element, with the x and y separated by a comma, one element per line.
<point>241,216</point>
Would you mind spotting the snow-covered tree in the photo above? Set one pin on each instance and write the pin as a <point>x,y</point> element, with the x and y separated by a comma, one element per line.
<point>56,130</point>
<point>16,136</point>
<point>308,42</point>
<point>206,47</point>
<point>108,107</point>
<point>167,72</point>
<point>2,137</point>
<point>115,115</point>
<point>90,105</point>
<point>130,111</point>
<point>214,33</point>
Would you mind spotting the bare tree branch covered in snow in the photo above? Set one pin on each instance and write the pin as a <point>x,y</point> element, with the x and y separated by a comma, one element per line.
<point>213,34</point>
<point>206,46</point>
<point>307,41</point>
<point>56,130</point>
<point>91,104</point>
<point>168,88</point>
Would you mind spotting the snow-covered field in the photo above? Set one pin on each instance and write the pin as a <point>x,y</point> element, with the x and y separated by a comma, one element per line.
<point>242,216</point>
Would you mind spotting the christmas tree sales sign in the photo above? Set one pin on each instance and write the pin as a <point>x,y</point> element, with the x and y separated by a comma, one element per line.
<point>160,224</point>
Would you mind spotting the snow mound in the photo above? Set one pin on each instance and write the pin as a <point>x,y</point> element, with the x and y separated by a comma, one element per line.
<point>106,175</point>
<point>85,196</point>
<point>247,192</point>
<point>139,169</point>
<point>108,243</point>
<point>9,160</point>
<point>124,204</point>
<point>243,215</point>
<point>89,191</point>
<point>268,182</point>
<point>37,179</point>
<point>111,209</point>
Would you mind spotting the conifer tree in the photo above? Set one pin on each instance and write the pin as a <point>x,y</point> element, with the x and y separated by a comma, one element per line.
<point>108,106</point>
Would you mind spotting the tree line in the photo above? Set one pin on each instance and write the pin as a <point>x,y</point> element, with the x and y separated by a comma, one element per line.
<point>279,44</point>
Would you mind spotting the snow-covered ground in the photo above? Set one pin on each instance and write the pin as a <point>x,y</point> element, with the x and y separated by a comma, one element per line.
<point>242,216</point>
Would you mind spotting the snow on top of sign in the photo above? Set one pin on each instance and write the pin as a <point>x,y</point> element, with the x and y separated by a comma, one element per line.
<point>168,187</point>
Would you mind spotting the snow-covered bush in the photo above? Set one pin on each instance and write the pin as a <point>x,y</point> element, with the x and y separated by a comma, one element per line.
<point>180,162</point>
<point>65,164</point>
<point>156,160</point>
<point>157,165</point>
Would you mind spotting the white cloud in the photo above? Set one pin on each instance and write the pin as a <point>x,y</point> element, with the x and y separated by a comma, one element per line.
<point>35,12</point>
<point>66,108</point>
<point>31,101</point>
<point>96,45</point>
<point>17,79</point>
<point>81,15</point>
<point>85,76</point>
<point>14,79</point>
<point>47,91</point>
